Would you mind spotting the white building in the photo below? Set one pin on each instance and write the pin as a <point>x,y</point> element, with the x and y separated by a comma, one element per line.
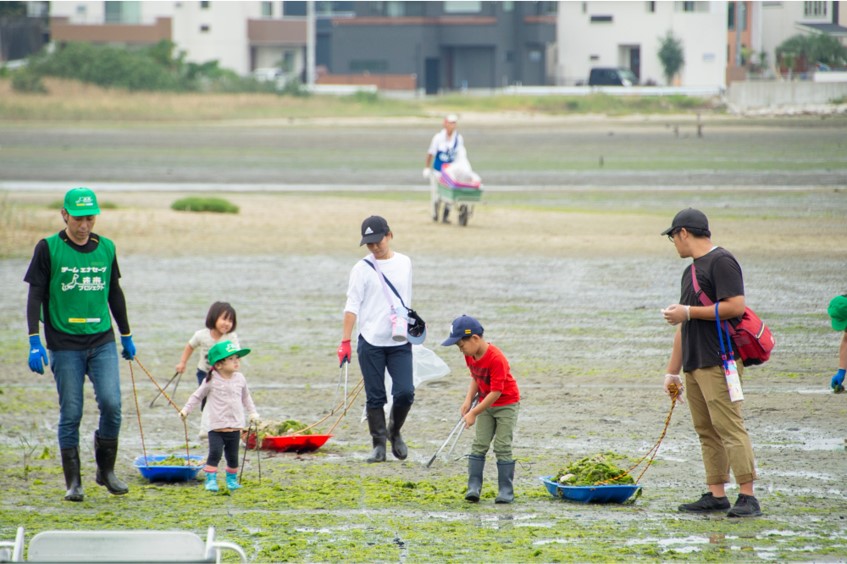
<point>628,35</point>
<point>241,36</point>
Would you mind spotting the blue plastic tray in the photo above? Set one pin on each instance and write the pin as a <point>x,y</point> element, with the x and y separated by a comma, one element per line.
<point>591,494</point>
<point>168,473</point>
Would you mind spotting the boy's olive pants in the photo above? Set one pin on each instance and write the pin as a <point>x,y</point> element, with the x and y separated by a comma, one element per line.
<point>496,424</point>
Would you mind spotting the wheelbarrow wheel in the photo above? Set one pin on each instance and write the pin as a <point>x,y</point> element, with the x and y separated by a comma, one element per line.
<point>464,214</point>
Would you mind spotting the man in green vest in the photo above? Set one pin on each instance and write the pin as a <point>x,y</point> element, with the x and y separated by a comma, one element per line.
<point>73,285</point>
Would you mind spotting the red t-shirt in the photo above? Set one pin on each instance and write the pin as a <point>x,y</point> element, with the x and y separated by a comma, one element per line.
<point>492,373</point>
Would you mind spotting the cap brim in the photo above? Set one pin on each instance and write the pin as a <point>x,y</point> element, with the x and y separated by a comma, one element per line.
<point>450,341</point>
<point>83,213</point>
<point>416,340</point>
<point>375,238</point>
<point>667,231</point>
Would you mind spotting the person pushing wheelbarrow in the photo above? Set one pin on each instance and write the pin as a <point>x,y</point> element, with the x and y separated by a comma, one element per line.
<point>442,149</point>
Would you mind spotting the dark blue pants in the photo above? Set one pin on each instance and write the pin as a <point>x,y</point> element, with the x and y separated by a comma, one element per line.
<point>373,362</point>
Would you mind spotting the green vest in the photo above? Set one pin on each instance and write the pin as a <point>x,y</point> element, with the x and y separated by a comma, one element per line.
<point>79,287</point>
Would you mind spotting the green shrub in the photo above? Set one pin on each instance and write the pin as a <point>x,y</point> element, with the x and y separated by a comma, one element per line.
<point>27,81</point>
<point>201,204</point>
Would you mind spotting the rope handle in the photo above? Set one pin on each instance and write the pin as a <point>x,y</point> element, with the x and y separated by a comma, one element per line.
<point>674,393</point>
<point>138,411</point>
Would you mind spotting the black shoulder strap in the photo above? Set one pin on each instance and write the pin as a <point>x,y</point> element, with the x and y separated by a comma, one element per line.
<point>387,281</point>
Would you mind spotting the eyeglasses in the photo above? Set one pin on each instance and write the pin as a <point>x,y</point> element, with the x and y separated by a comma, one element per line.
<point>672,234</point>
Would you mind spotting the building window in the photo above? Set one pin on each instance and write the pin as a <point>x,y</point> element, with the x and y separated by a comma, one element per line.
<point>814,9</point>
<point>691,6</point>
<point>462,7</point>
<point>508,6</point>
<point>395,9</point>
<point>742,15</point>
<point>204,5</point>
<point>376,66</point>
<point>122,12</point>
<point>204,28</point>
<point>601,19</point>
<point>113,12</point>
<point>651,7</point>
<point>267,9</point>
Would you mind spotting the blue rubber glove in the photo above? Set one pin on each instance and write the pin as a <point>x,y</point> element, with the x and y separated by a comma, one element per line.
<point>129,347</point>
<point>836,384</point>
<point>38,356</point>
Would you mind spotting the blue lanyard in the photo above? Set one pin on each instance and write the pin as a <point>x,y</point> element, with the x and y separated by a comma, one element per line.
<point>720,337</point>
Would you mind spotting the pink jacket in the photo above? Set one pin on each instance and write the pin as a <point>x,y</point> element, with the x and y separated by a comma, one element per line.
<point>226,401</point>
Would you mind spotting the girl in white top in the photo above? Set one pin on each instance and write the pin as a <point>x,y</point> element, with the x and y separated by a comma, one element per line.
<point>373,306</point>
<point>220,326</point>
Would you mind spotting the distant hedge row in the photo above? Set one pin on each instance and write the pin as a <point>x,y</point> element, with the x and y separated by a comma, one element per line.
<point>155,68</point>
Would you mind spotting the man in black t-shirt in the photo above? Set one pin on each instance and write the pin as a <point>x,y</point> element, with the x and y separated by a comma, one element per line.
<point>724,441</point>
<point>74,289</point>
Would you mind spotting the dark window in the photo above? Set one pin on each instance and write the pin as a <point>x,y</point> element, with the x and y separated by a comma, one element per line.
<point>293,8</point>
<point>733,6</point>
<point>204,5</point>
<point>267,9</point>
<point>689,6</point>
<point>113,12</point>
<point>651,7</point>
<point>204,28</point>
<point>601,19</point>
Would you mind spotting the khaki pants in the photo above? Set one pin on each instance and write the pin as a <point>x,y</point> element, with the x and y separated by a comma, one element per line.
<point>718,421</point>
<point>497,424</point>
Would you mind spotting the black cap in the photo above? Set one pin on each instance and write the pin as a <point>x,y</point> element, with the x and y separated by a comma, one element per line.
<point>691,219</point>
<point>374,229</point>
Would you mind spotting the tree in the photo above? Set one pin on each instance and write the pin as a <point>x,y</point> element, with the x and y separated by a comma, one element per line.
<point>807,50</point>
<point>671,55</point>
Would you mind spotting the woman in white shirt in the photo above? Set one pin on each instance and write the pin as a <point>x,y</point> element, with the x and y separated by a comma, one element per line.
<point>382,343</point>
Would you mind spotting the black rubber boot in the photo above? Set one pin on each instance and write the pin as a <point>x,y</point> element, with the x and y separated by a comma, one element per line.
<point>446,217</point>
<point>435,206</point>
<point>376,423</point>
<point>105,453</point>
<point>505,477</point>
<point>395,423</point>
<point>476,464</point>
<point>70,465</point>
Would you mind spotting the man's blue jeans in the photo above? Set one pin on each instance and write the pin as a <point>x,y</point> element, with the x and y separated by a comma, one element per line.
<point>69,370</point>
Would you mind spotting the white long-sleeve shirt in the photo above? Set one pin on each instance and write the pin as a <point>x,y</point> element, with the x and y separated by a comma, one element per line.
<point>367,300</point>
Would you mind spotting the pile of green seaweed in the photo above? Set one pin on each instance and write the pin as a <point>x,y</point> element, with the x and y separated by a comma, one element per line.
<point>174,460</point>
<point>272,428</point>
<point>593,470</point>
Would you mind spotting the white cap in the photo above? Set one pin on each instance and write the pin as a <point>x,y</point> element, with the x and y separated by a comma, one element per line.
<point>451,118</point>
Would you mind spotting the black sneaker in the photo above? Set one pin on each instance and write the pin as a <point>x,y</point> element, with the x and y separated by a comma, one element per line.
<point>706,504</point>
<point>745,506</point>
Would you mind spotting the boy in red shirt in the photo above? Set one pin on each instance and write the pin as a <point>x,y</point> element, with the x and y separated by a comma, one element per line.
<point>496,414</point>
